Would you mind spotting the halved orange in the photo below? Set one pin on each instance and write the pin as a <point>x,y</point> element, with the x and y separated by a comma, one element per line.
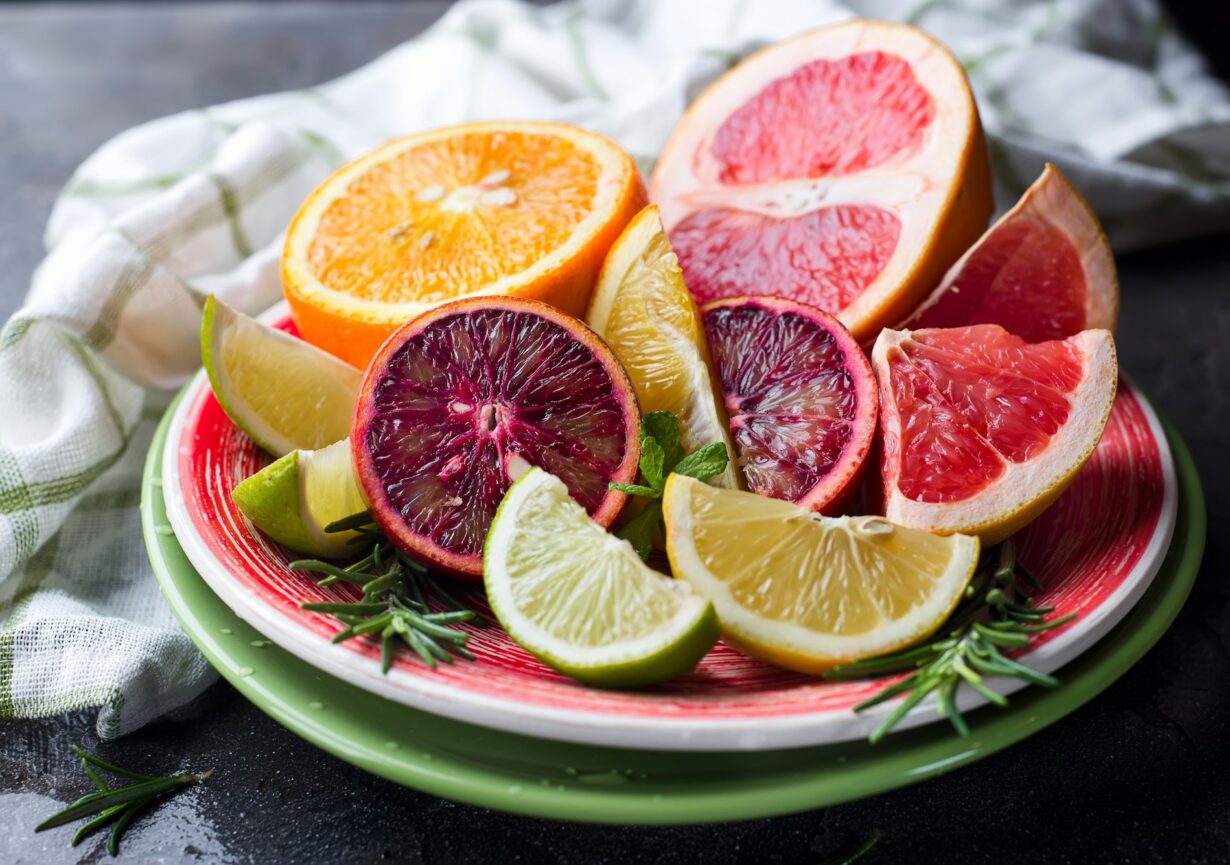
<point>504,208</point>
<point>844,168</point>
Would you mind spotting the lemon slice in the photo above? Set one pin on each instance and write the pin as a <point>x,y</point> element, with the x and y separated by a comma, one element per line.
<point>809,592</point>
<point>646,314</point>
<point>581,600</point>
<point>281,391</point>
<point>293,498</point>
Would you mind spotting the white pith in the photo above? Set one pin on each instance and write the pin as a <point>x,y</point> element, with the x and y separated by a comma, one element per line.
<point>713,426</point>
<point>749,626</point>
<point>582,547</point>
<point>1022,485</point>
<point>1052,199</point>
<point>611,185</point>
<point>333,379</point>
<point>916,185</point>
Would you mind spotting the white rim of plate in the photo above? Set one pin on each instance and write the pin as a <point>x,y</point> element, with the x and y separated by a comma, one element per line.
<point>630,731</point>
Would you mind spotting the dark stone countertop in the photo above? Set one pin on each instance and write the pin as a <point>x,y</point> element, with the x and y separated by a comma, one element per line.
<point>1139,775</point>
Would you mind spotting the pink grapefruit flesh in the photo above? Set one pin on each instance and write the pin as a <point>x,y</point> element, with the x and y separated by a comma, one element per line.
<point>800,396</point>
<point>981,430</point>
<point>1043,271</point>
<point>458,402</point>
<point>844,168</point>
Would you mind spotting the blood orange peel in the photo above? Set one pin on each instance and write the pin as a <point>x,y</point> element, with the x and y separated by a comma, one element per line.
<point>845,168</point>
<point>525,209</point>
<point>981,431</point>
<point>1043,271</point>
<point>800,396</point>
<point>459,402</point>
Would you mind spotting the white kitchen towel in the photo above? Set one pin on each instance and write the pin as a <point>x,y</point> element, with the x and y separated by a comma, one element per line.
<point>194,204</point>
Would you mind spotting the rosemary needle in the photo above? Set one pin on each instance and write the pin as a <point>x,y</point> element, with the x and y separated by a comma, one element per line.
<point>121,804</point>
<point>995,615</point>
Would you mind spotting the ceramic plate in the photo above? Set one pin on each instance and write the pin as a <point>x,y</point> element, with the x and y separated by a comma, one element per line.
<point>1095,550</point>
<point>563,780</point>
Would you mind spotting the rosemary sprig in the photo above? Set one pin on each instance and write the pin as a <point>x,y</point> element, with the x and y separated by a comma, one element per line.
<point>995,616</point>
<point>394,606</point>
<point>119,804</point>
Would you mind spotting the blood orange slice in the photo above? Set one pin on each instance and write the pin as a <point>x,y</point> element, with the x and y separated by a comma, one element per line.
<point>460,401</point>
<point>1043,271</point>
<point>845,168</point>
<point>981,430</point>
<point>800,396</point>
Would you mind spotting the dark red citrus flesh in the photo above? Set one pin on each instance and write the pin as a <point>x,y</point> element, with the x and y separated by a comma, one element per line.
<point>448,405</point>
<point>824,258</point>
<point>800,397</point>
<point>1025,276</point>
<point>827,117</point>
<point>971,400</point>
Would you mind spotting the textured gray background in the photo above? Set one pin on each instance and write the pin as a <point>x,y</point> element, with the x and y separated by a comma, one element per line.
<point>1137,776</point>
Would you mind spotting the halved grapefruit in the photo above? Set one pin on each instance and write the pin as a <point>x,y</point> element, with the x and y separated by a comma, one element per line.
<point>800,396</point>
<point>461,401</point>
<point>982,430</point>
<point>845,168</point>
<point>1043,271</point>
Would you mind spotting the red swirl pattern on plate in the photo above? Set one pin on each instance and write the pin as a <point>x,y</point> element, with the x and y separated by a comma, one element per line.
<point>1084,549</point>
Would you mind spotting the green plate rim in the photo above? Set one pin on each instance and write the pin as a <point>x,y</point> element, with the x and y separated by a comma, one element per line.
<point>586,783</point>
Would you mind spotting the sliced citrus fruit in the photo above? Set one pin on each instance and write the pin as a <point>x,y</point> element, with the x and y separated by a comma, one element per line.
<point>581,600</point>
<point>809,592</point>
<point>646,315</point>
<point>981,430</point>
<point>460,401</point>
<point>800,395</point>
<point>1043,271</point>
<point>525,209</point>
<point>281,391</point>
<point>295,497</point>
<point>844,168</point>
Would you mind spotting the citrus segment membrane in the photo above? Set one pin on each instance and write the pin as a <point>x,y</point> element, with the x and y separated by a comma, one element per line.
<point>800,396</point>
<point>806,591</point>
<point>463,399</point>
<point>981,430</point>
<point>853,112</point>
<point>581,599</point>
<point>1043,271</point>
<point>504,198</point>
<point>844,168</point>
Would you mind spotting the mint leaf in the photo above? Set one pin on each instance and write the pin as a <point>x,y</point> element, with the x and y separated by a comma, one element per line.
<point>652,462</point>
<point>664,429</point>
<point>705,463</point>
<point>635,490</point>
<point>639,530</point>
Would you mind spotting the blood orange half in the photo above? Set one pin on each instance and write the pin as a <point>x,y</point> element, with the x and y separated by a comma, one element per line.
<point>981,430</point>
<point>845,168</point>
<point>1043,271</point>
<point>458,402</point>
<point>800,396</point>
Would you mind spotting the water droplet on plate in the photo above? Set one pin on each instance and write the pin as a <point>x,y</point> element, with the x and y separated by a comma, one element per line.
<point>515,789</point>
<point>164,530</point>
<point>245,671</point>
<point>226,631</point>
<point>392,746</point>
<point>155,482</point>
<point>316,704</point>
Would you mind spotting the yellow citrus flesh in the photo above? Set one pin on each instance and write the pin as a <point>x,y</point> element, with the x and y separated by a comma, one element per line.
<point>647,316</point>
<point>809,592</point>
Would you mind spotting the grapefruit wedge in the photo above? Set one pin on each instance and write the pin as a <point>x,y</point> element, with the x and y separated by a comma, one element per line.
<point>982,430</point>
<point>1043,271</point>
<point>845,168</point>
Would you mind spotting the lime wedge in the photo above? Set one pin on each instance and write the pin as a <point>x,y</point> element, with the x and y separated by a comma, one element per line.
<point>581,600</point>
<point>293,498</point>
<point>281,391</point>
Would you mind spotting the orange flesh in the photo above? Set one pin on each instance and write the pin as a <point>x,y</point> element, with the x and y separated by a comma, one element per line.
<point>394,237</point>
<point>970,401</point>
